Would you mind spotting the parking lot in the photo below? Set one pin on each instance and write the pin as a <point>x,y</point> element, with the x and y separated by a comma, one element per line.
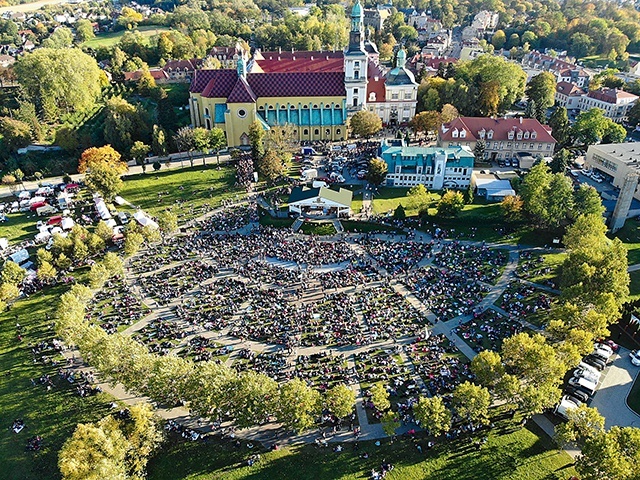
<point>610,398</point>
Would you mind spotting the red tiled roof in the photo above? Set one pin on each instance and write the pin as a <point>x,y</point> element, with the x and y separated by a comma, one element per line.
<point>213,83</point>
<point>610,95</point>
<point>241,92</point>
<point>500,126</point>
<point>568,88</point>
<point>180,65</point>
<point>434,62</point>
<point>300,62</point>
<point>376,86</point>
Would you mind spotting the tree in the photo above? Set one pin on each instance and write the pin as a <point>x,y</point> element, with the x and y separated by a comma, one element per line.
<point>558,201</point>
<point>489,99</point>
<point>418,197</point>
<point>84,30</point>
<point>159,142</point>
<point>143,430</point>
<point>399,213</point>
<point>478,150</point>
<point>340,400</point>
<point>46,272</point>
<point>534,188</point>
<point>8,293</point>
<point>634,114</point>
<point>377,172</point>
<point>448,113</point>
<point>114,265</point>
<point>14,134</point>
<point>168,221</point>
<point>498,39</point>
<point>433,415</point>
<point>94,452</point>
<point>542,89</point>
<point>582,423</point>
<point>12,273</point>
<point>559,123</point>
<point>253,398</point>
<point>532,360</point>
<point>365,124</point>
<point>63,262</point>
<point>611,455</point>
<point>298,405</point>
<point>592,127</point>
<point>451,203</point>
<point>270,166</point>
<point>66,80</point>
<point>67,139</point>
<point>380,396</point>
<point>512,208</point>
<point>426,122</point>
<point>587,201</point>
<point>471,402</point>
<point>132,243</point>
<point>146,83</point>
<point>217,141</point>
<point>139,152</point>
<point>390,422</point>
<point>256,137</point>
<point>560,161</point>
<point>185,142</point>
<point>487,367</point>
<point>103,168</point>
<point>123,124</point>
<point>129,18</point>
<point>98,275</point>
<point>201,141</point>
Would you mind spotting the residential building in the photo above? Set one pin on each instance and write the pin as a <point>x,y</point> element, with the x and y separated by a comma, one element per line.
<point>564,68</point>
<point>314,92</point>
<point>375,17</point>
<point>483,23</point>
<point>615,161</point>
<point>614,102</point>
<point>568,95</point>
<point>505,138</point>
<point>435,168</point>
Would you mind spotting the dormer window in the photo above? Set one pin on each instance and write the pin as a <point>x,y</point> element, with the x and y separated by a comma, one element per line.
<point>510,135</point>
<point>482,134</point>
<point>490,134</point>
<point>526,135</point>
<point>534,135</point>
<point>519,135</point>
<point>463,133</point>
<point>454,133</point>
<point>372,96</point>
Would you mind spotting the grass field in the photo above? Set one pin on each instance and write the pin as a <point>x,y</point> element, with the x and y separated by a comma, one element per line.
<point>554,262</point>
<point>313,228</point>
<point>630,236</point>
<point>19,226</point>
<point>388,199</point>
<point>51,414</point>
<point>194,187</point>
<point>112,38</point>
<point>522,454</point>
<point>634,285</point>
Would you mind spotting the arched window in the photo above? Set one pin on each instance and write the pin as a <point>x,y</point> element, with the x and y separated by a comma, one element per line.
<point>338,131</point>
<point>305,106</point>
<point>315,106</point>
<point>316,131</point>
<point>305,131</point>
<point>327,132</point>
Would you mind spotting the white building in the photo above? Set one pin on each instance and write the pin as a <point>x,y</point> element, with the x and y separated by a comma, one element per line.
<point>568,95</point>
<point>616,103</point>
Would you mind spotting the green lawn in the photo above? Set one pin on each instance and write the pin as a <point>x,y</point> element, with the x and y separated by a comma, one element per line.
<point>313,228</point>
<point>521,454</point>
<point>19,226</point>
<point>53,415</point>
<point>112,38</point>
<point>634,285</point>
<point>195,187</point>
<point>552,261</point>
<point>388,199</point>
<point>630,236</point>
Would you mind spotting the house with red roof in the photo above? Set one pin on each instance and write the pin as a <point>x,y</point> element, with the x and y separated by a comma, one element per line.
<point>614,102</point>
<point>568,95</point>
<point>312,92</point>
<point>505,138</point>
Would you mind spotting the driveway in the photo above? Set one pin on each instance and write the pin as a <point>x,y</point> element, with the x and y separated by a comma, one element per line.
<point>610,398</point>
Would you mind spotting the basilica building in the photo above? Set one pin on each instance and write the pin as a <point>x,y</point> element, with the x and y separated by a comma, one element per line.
<point>313,92</point>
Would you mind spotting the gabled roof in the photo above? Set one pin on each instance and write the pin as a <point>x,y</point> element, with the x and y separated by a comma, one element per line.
<point>214,83</point>
<point>611,95</point>
<point>567,88</point>
<point>298,62</point>
<point>241,92</point>
<point>375,83</point>
<point>500,127</point>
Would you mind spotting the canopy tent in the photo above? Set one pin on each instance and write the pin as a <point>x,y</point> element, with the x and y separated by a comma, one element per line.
<point>20,256</point>
<point>67,223</point>
<point>144,220</point>
<point>102,209</point>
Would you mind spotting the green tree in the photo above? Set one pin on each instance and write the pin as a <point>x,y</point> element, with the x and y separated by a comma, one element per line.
<point>558,201</point>
<point>67,139</point>
<point>139,151</point>
<point>66,80</point>
<point>12,273</point>
<point>377,172</point>
<point>98,275</point>
<point>146,83</point>
<point>168,221</point>
<point>365,124</point>
<point>560,161</point>
<point>418,197</point>
<point>611,455</point>
<point>253,398</point>
<point>185,142</point>
<point>498,39</point>
<point>582,423</point>
<point>103,167</point>
<point>478,150</point>
<point>298,405</point>
<point>451,204</point>
<point>592,127</point>
<point>399,213</point>
<point>512,208</point>
<point>488,368</point>
<point>433,415</point>
<point>217,141</point>
<point>532,360</point>
<point>533,189</point>
<point>270,166</point>
<point>380,396</point>
<point>202,141</point>
<point>122,124</point>
<point>159,142</point>
<point>84,30</point>
<point>47,272</point>
<point>390,422</point>
<point>559,123</point>
<point>340,400</point>
<point>256,137</point>
<point>587,201</point>
<point>471,402</point>
<point>132,243</point>
<point>114,265</point>
<point>542,89</point>
<point>14,134</point>
<point>425,122</point>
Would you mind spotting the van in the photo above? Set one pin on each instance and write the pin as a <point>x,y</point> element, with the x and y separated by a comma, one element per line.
<point>46,210</point>
<point>584,384</point>
<point>565,404</point>
<point>589,374</point>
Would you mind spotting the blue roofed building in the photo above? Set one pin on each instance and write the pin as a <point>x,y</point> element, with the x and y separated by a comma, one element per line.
<point>435,167</point>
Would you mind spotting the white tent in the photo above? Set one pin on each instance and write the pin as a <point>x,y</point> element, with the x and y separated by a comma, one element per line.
<point>67,223</point>
<point>42,237</point>
<point>144,220</point>
<point>4,243</point>
<point>102,209</point>
<point>118,200</point>
<point>37,200</point>
<point>24,194</point>
<point>111,223</point>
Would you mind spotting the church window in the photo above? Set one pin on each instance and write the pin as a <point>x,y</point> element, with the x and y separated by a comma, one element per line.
<point>315,106</point>
<point>316,131</point>
<point>242,113</point>
<point>338,131</point>
<point>327,132</point>
<point>305,131</point>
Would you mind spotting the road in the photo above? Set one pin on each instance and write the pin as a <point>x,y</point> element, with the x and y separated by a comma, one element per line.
<point>30,7</point>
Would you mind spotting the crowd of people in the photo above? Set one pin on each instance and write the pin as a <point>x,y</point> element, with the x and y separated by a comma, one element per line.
<point>395,257</point>
<point>478,263</point>
<point>488,330</point>
<point>523,302</point>
<point>115,305</point>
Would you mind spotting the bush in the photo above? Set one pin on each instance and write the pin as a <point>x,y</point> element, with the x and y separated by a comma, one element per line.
<point>156,165</point>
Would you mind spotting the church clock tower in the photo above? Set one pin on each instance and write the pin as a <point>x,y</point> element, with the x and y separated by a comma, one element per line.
<point>356,62</point>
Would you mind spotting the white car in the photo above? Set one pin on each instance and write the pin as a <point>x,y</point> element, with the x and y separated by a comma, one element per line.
<point>591,375</point>
<point>635,357</point>
<point>565,404</point>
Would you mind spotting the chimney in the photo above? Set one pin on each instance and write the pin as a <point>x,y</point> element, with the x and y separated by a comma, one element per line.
<point>520,120</point>
<point>311,57</point>
<point>279,49</point>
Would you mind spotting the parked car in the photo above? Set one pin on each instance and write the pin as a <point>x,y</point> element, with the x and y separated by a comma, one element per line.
<point>595,361</point>
<point>575,392</point>
<point>602,351</point>
<point>635,357</point>
<point>589,374</point>
<point>565,404</point>
<point>584,384</point>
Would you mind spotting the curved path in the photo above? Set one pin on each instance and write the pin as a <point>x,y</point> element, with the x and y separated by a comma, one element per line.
<point>272,432</point>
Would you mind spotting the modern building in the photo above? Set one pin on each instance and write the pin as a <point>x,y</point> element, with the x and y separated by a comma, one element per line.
<point>313,92</point>
<point>505,138</point>
<point>615,161</point>
<point>491,187</point>
<point>320,201</point>
<point>435,168</point>
<point>614,102</point>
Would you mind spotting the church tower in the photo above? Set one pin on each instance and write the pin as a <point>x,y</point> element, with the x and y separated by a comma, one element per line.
<point>356,62</point>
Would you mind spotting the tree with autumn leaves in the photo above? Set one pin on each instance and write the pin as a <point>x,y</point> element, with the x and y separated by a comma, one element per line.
<point>102,167</point>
